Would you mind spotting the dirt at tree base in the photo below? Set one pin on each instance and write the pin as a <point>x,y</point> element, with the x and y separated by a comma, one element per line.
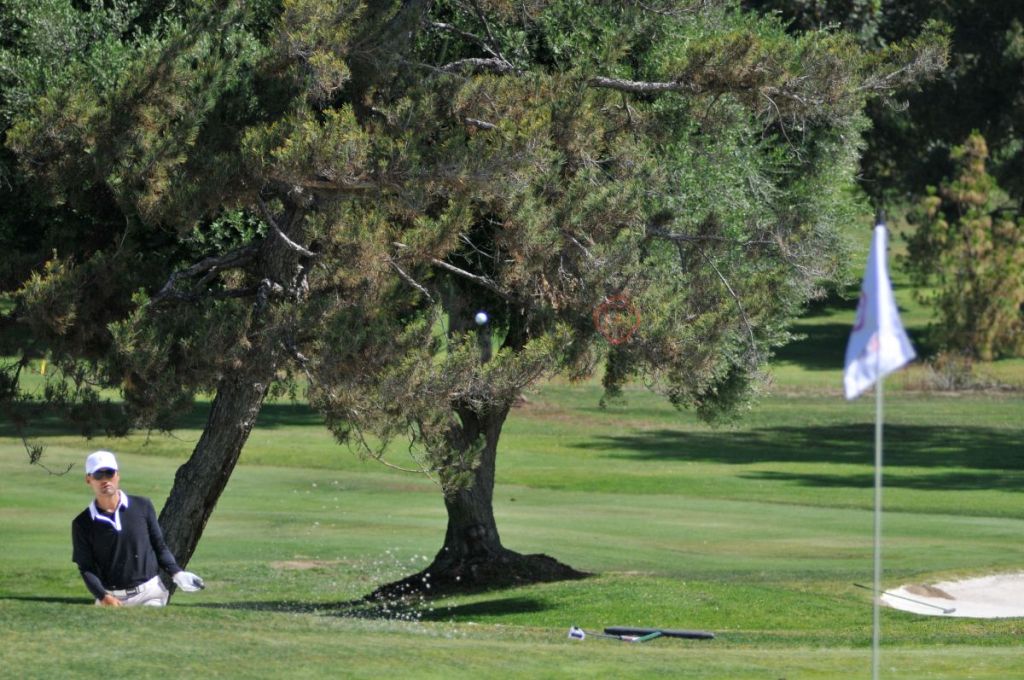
<point>505,570</point>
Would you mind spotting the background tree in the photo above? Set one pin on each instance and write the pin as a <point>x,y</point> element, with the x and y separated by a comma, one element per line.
<point>915,147</point>
<point>908,146</point>
<point>967,256</point>
<point>33,226</point>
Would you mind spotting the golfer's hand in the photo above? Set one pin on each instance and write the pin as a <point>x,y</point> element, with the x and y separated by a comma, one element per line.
<point>110,601</point>
<point>188,581</point>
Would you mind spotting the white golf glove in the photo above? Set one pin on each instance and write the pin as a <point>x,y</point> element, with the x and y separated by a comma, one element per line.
<point>188,581</point>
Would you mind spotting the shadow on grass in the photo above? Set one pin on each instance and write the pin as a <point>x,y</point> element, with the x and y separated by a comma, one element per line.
<point>412,609</point>
<point>272,415</point>
<point>952,481</point>
<point>498,607</point>
<point>44,598</point>
<point>910,446</point>
<point>823,346</point>
<point>44,421</point>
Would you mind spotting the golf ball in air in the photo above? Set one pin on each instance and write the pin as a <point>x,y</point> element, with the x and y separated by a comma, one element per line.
<point>480,318</point>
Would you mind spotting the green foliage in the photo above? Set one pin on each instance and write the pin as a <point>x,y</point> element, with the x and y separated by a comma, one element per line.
<point>95,102</point>
<point>969,245</point>
<point>407,389</point>
<point>163,357</point>
<point>230,230</point>
<point>713,205</point>
<point>980,89</point>
<point>863,18</point>
<point>334,189</point>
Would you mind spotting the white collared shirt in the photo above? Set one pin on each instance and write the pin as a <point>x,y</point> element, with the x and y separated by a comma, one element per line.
<point>122,502</point>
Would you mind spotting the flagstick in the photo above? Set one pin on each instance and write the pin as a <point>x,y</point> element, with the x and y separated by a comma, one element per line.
<point>875,619</point>
<point>877,331</point>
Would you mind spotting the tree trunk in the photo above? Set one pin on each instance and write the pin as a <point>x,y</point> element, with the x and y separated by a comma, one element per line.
<point>472,534</point>
<point>200,482</point>
<point>472,557</point>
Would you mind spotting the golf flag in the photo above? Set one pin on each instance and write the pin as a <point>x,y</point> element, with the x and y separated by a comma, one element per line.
<point>878,344</point>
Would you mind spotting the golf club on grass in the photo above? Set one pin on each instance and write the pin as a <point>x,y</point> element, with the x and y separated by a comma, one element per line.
<point>640,634</point>
<point>944,610</point>
<point>664,632</point>
<point>577,633</point>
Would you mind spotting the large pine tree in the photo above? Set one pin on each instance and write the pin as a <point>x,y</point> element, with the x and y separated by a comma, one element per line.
<point>334,189</point>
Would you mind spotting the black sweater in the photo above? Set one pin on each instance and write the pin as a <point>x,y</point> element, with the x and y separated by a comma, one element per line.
<point>121,549</point>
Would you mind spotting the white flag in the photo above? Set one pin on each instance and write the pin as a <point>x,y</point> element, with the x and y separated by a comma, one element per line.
<point>878,344</point>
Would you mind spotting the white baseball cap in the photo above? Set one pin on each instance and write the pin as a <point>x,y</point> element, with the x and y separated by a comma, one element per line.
<point>99,460</point>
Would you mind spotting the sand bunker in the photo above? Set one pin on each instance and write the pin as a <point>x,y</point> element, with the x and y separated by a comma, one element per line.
<point>988,597</point>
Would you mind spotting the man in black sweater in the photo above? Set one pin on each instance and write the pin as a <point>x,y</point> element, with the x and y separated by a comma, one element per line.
<point>118,545</point>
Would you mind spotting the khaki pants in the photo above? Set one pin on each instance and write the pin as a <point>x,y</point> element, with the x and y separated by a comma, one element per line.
<point>150,594</point>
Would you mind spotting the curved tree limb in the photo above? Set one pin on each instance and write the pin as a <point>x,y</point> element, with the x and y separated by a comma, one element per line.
<point>641,87</point>
<point>411,281</point>
<point>280,233</point>
<point>478,65</point>
<point>207,267</point>
<point>487,283</point>
<point>756,358</point>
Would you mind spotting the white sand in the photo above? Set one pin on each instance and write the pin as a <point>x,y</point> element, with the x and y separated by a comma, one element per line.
<point>988,597</point>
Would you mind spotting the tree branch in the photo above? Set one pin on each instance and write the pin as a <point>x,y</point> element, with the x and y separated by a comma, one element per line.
<point>487,28</point>
<point>640,87</point>
<point>475,278</point>
<point>476,65</point>
<point>301,359</point>
<point>464,34</point>
<point>411,281</point>
<point>679,240</point>
<point>263,293</point>
<point>277,230</point>
<point>482,124</point>
<point>739,306</point>
<point>658,232</point>
<point>345,187</point>
<point>210,265</point>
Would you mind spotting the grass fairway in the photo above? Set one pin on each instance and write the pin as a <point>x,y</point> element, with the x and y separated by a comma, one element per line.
<point>756,532</point>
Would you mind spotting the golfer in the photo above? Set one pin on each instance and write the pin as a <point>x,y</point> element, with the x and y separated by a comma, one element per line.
<point>118,545</point>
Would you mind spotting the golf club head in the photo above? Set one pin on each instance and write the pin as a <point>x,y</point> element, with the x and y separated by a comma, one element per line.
<point>576,633</point>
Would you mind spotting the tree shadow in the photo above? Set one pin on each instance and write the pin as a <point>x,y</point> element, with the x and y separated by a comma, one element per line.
<point>280,606</point>
<point>46,421</point>
<point>40,421</point>
<point>822,346</point>
<point>496,607</point>
<point>911,446</point>
<point>409,609</point>
<point>950,481</point>
<point>280,414</point>
<point>819,347</point>
<point>45,598</point>
<point>273,414</point>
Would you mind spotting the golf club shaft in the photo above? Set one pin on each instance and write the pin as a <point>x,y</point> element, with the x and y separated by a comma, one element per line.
<point>625,638</point>
<point>944,610</point>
